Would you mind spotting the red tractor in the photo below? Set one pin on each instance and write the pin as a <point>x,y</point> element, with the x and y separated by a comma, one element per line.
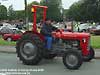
<point>73,47</point>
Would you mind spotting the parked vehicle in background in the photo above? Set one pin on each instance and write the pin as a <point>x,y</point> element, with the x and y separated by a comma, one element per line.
<point>96,30</point>
<point>61,26</point>
<point>7,29</point>
<point>84,27</point>
<point>19,26</point>
<point>91,28</point>
<point>28,26</point>
<point>6,25</point>
<point>16,35</point>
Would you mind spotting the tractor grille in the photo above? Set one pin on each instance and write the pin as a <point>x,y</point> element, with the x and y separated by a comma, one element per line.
<point>72,44</point>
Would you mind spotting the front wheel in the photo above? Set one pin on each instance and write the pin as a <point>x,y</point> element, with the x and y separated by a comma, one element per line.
<point>90,56</point>
<point>72,59</point>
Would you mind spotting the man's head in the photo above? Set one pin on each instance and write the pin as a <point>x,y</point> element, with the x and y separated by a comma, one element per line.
<point>48,21</point>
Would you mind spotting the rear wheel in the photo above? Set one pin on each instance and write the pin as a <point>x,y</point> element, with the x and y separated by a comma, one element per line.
<point>72,59</point>
<point>29,49</point>
<point>90,56</point>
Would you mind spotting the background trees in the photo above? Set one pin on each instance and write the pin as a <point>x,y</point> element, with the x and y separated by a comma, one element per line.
<point>3,12</point>
<point>11,13</point>
<point>54,9</point>
<point>85,10</point>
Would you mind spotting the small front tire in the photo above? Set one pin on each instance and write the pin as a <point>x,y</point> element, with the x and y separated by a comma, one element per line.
<point>90,56</point>
<point>72,59</point>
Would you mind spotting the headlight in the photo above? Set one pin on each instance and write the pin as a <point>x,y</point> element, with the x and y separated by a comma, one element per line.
<point>84,40</point>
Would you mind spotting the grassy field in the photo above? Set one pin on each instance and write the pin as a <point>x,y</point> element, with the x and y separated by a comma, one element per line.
<point>6,43</point>
<point>95,42</point>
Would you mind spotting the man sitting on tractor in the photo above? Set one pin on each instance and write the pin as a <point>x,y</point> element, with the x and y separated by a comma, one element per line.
<point>47,30</point>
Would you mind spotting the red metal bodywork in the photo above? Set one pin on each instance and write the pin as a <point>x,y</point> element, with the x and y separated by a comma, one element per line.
<point>14,37</point>
<point>75,36</point>
<point>38,34</point>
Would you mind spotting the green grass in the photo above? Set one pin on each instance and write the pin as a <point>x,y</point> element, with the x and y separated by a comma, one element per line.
<point>6,43</point>
<point>95,41</point>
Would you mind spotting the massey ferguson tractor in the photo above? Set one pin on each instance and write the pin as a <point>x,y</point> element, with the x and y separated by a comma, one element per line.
<point>73,47</point>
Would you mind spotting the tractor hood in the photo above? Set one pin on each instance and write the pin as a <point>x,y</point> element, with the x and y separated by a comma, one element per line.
<point>73,35</point>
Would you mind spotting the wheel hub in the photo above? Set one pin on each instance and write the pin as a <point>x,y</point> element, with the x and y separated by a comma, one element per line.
<point>71,60</point>
<point>28,50</point>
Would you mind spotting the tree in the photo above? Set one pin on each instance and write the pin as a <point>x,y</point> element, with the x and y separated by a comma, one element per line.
<point>20,15</point>
<point>74,12</point>
<point>85,10</point>
<point>15,15</point>
<point>26,11</point>
<point>11,13</point>
<point>54,9</point>
<point>89,9</point>
<point>3,12</point>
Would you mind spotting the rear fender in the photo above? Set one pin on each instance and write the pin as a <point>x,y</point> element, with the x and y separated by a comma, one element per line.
<point>36,33</point>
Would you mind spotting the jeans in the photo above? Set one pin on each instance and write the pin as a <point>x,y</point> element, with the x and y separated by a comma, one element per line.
<point>48,42</point>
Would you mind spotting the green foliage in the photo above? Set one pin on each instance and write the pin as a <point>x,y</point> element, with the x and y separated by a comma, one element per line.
<point>6,43</point>
<point>95,41</point>
<point>85,10</point>
<point>74,12</point>
<point>11,13</point>
<point>15,15</point>
<point>54,9</point>
<point>3,12</point>
<point>20,15</point>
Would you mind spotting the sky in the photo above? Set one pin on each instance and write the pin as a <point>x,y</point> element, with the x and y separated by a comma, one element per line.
<point>19,4</point>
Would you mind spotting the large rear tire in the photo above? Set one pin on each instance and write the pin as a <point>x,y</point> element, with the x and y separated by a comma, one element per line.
<point>29,49</point>
<point>90,56</point>
<point>72,59</point>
